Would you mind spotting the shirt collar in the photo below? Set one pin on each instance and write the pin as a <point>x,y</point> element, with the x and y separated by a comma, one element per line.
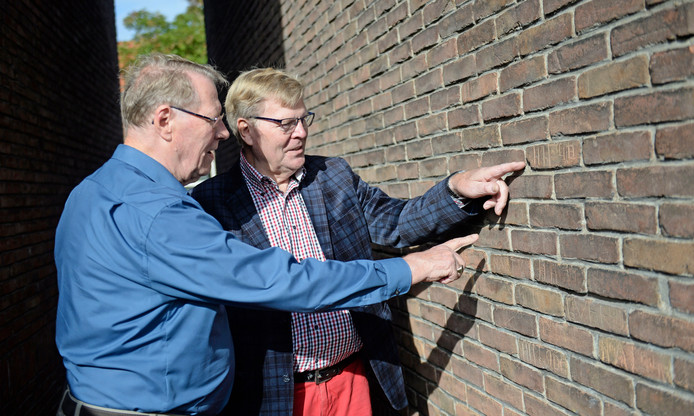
<point>147,165</point>
<point>258,180</point>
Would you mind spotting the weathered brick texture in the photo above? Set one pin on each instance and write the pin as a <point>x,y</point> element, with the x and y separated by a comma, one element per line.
<point>59,120</point>
<point>579,299</point>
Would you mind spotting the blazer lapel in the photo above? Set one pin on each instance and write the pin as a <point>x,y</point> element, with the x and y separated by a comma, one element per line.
<point>241,207</point>
<point>315,204</point>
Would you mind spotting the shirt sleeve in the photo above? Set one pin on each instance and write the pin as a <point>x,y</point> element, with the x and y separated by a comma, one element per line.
<point>189,255</point>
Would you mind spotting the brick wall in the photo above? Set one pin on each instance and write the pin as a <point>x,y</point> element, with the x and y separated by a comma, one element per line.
<point>580,298</point>
<point>59,120</point>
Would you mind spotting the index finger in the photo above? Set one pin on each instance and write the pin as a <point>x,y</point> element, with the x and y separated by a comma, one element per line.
<point>456,244</point>
<point>497,171</point>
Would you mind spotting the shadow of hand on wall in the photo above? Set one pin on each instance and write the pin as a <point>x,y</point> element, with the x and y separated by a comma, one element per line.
<point>428,379</point>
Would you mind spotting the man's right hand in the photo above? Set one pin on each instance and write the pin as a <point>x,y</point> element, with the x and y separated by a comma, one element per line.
<point>441,263</point>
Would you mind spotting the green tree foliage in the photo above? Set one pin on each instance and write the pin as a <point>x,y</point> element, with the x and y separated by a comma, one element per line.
<point>184,36</point>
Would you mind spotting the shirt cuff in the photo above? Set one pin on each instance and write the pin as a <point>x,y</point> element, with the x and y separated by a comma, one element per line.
<point>399,276</point>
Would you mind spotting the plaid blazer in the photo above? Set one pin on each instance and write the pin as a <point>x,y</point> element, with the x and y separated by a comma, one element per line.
<point>348,216</point>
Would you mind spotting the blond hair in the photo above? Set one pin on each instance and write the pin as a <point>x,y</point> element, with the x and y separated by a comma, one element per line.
<point>251,88</point>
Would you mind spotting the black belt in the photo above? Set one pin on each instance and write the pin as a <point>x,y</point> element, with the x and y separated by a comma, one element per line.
<point>324,374</point>
<point>73,407</point>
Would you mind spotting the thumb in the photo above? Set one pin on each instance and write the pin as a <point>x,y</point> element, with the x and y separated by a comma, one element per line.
<point>456,244</point>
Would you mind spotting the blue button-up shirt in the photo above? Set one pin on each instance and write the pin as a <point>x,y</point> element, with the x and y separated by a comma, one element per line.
<point>142,271</point>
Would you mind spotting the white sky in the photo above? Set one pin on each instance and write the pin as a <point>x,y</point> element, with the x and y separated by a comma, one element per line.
<point>169,8</point>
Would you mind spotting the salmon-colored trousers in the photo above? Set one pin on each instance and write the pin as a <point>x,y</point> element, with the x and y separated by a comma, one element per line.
<point>346,394</point>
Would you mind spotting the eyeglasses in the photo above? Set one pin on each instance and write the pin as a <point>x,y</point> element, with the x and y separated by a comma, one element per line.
<point>289,124</point>
<point>211,120</point>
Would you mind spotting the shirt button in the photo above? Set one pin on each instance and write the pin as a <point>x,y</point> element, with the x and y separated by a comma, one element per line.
<point>285,378</point>
<point>397,292</point>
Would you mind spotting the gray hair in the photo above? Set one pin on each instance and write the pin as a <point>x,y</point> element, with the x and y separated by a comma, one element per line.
<point>156,79</point>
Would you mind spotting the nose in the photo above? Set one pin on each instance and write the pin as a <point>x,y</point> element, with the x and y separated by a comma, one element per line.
<point>222,131</point>
<point>300,131</point>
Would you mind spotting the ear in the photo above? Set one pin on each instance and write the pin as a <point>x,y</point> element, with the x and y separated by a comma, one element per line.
<point>244,129</point>
<point>162,121</point>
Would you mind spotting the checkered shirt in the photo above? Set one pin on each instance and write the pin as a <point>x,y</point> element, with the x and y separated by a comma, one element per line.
<point>319,339</point>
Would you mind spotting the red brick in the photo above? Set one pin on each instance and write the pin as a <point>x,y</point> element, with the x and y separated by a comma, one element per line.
<point>505,106</point>
<point>522,73</point>
<point>495,289</point>
<point>523,131</point>
<point>561,275</point>
<point>462,68</point>
<point>480,355</point>
<point>682,296</point>
<point>504,391</point>
<point>447,143</point>
<point>521,373</point>
<point>585,184</point>
<point>487,8</point>
<point>516,320</point>
<point>551,6</point>
<point>578,120</point>
<point>444,98</point>
<point>432,124</point>
<point>635,358</point>
<point>518,267</point>
<point>550,32</point>
<point>499,340</point>
<point>578,54</point>
<point>556,215</point>
<point>481,137</point>
<point>483,403</point>
<point>565,335</point>
<point>531,186</point>
<point>516,213</point>
<point>554,155</point>
<point>655,400</point>
<point>460,19</point>
<point>496,157</point>
<point>597,12</point>
<point>541,406</point>
<point>590,247</point>
<point>467,371</point>
<point>543,300</point>
<point>603,379</point>
<point>624,217</point>
<point>428,82</point>
<point>673,65</point>
<point>597,314</point>
<point>657,28</point>
<point>543,357</point>
<point>479,87</point>
<point>475,37</point>
<point>615,284</point>
<point>463,116</point>
<point>497,54</point>
<point>572,398</point>
<point>667,181</point>
<point>654,107</point>
<point>534,242</point>
<point>665,331</point>
<point>518,16</point>
<point>614,76</point>
<point>617,147</point>
<point>549,94</point>
<point>675,142</point>
<point>684,373</point>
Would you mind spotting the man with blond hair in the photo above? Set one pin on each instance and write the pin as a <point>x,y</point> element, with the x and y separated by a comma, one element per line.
<point>317,208</point>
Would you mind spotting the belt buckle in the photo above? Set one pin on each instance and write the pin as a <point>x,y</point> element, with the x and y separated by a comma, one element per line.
<point>326,375</point>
